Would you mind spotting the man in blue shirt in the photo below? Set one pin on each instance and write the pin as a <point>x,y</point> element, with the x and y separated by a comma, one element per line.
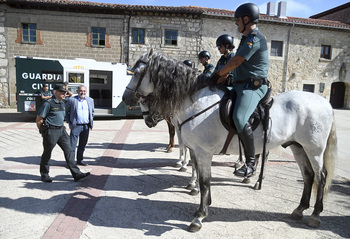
<point>250,65</point>
<point>79,115</point>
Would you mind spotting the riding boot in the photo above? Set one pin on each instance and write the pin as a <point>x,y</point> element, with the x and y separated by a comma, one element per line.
<point>247,139</point>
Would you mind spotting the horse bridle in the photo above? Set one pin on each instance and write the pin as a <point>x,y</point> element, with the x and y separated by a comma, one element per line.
<point>138,94</point>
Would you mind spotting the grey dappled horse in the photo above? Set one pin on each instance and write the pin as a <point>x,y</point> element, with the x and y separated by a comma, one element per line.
<point>301,120</point>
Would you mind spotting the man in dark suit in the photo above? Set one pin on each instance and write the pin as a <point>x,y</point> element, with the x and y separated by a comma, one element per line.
<point>79,115</point>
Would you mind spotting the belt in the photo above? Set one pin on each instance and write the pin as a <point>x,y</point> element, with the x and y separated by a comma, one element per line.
<point>82,124</point>
<point>55,127</point>
<point>264,81</point>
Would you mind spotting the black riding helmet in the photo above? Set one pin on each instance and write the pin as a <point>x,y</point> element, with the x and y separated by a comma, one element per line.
<point>188,63</point>
<point>203,54</point>
<point>248,9</point>
<point>225,39</point>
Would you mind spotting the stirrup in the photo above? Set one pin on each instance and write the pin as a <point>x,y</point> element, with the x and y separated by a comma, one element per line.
<point>243,171</point>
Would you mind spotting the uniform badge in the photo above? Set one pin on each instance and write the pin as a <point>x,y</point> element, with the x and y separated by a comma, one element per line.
<point>250,42</point>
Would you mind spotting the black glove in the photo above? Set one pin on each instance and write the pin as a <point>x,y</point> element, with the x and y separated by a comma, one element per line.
<point>214,78</point>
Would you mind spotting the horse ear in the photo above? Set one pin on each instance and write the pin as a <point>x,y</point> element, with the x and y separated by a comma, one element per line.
<point>150,53</point>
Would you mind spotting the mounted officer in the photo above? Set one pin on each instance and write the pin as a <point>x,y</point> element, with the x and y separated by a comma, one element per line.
<point>250,65</point>
<point>224,43</point>
<point>204,59</point>
<point>188,63</point>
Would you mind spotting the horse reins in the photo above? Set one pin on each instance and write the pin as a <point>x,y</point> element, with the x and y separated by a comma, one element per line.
<point>199,113</point>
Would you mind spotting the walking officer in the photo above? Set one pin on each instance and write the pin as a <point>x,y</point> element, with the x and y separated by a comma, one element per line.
<point>204,59</point>
<point>250,65</point>
<point>50,124</point>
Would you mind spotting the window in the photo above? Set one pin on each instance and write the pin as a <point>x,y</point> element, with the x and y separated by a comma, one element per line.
<point>170,37</point>
<point>325,51</point>
<point>309,88</point>
<point>276,48</point>
<point>138,36</point>
<point>98,36</point>
<point>28,33</point>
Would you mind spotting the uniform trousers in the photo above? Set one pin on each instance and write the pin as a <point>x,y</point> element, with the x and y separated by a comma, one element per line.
<point>51,137</point>
<point>246,102</point>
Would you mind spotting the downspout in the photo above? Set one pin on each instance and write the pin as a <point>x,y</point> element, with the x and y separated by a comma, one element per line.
<point>285,67</point>
<point>128,41</point>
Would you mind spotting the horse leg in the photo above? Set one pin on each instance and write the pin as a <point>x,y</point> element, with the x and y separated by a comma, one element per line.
<point>314,220</point>
<point>204,173</point>
<point>193,184</point>
<point>308,177</point>
<point>171,129</point>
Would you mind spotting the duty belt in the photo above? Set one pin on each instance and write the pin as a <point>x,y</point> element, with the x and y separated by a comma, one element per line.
<point>264,81</point>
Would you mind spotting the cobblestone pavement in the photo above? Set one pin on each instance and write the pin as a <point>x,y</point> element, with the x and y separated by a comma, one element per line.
<point>134,191</point>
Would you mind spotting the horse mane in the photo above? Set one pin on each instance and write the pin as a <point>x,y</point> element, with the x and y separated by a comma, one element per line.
<point>173,82</point>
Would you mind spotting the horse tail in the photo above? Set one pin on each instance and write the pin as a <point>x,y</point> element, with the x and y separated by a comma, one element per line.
<point>330,156</point>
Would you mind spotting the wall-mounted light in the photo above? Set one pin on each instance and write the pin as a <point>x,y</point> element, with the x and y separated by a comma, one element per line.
<point>321,87</point>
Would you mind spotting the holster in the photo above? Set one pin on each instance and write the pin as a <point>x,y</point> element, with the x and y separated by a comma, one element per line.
<point>43,128</point>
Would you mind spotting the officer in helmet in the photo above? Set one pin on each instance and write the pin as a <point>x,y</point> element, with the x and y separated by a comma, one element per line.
<point>204,59</point>
<point>188,63</point>
<point>250,65</point>
<point>224,43</point>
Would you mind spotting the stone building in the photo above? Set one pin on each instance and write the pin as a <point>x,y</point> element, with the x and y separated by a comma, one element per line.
<point>305,54</point>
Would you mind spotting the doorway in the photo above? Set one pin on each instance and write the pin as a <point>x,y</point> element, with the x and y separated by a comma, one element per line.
<point>101,88</point>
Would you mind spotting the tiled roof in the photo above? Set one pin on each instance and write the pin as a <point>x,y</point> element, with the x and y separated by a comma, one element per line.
<point>333,10</point>
<point>122,8</point>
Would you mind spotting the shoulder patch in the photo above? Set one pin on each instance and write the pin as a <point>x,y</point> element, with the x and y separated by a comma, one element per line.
<point>250,42</point>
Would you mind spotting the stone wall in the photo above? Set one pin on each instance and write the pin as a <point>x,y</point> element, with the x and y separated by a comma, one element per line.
<point>188,28</point>
<point>4,90</point>
<point>64,35</point>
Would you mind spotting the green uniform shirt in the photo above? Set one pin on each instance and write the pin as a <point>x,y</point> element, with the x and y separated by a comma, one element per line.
<point>46,93</point>
<point>53,112</point>
<point>222,62</point>
<point>208,70</point>
<point>253,48</point>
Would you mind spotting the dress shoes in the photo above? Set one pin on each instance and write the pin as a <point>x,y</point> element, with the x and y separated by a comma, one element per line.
<point>82,163</point>
<point>81,176</point>
<point>46,178</point>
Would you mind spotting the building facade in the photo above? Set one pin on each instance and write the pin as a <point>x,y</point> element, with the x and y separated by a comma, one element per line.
<point>305,54</point>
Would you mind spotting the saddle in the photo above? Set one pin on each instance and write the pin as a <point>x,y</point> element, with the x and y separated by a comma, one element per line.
<point>260,114</point>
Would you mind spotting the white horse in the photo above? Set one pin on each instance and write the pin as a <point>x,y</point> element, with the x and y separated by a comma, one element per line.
<point>303,121</point>
<point>152,118</point>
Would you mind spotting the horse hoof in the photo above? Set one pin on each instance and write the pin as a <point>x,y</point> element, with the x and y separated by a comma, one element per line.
<point>190,186</point>
<point>194,192</point>
<point>182,169</point>
<point>246,180</point>
<point>296,215</point>
<point>313,222</point>
<point>169,150</point>
<point>256,186</point>
<point>195,226</point>
<point>178,164</point>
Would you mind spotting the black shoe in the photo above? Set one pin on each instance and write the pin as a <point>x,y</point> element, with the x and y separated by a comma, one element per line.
<point>46,178</point>
<point>80,176</point>
<point>245,171</point>
<point>82,163</point>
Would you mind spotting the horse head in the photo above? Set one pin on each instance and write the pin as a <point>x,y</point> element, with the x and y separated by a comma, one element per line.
<point>149,114</point>
<point>140,84</point>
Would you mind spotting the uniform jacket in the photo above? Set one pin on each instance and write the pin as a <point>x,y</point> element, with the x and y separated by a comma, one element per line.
<point>72,109</point>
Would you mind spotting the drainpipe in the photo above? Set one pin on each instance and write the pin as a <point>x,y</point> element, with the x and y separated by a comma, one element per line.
<point>285,67</point>
<point>128,41</point>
